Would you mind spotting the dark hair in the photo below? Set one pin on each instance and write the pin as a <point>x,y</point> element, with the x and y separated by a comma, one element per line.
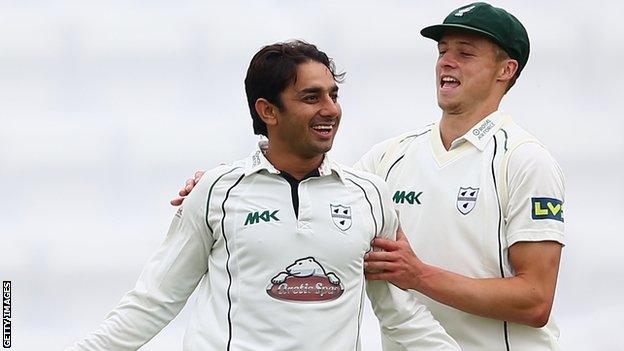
<point>273,68</point>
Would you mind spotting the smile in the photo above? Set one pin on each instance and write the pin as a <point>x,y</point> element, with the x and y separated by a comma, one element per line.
<point>324,129</point>
<point>449,82</point>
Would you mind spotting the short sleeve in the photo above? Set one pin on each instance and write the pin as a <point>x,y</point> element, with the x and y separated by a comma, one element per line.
<point>535,210</point>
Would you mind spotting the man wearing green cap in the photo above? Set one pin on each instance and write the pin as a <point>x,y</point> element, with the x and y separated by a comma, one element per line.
<point>480,198</point>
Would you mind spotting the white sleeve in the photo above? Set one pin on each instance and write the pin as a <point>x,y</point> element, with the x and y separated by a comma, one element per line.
<point>371,160</point>
<point>536,196</point>
<point>164,285</point>
<point>404,320</point>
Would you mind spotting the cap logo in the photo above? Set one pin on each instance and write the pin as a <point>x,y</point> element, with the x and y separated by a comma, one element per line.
<point>464,10</point>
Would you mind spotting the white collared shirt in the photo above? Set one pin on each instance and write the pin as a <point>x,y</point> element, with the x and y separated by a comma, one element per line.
<point>271,280</point>
<point>463,208</point>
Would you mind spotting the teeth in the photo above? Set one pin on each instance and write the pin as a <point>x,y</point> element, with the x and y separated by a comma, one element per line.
<point>449,79</point>
<point>323,127</point>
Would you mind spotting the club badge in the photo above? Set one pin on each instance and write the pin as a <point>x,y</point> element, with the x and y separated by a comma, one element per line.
<point>467,199</point>
<point>341,216</point>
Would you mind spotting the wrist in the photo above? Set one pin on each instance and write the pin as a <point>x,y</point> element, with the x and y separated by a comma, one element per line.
<point>425,278</point>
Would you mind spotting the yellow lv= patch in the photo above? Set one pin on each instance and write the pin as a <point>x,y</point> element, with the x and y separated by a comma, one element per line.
<point>554,209</point>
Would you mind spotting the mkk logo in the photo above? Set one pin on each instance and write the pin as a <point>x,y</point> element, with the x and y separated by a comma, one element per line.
<point>467,199</point>
<point>341,216</point>
<point>266,216</point>
<point>402,196</point>
<point>547,208</point>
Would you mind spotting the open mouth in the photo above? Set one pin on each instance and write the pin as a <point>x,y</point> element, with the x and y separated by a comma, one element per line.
<point>324,129</point>
<point>449,82</point>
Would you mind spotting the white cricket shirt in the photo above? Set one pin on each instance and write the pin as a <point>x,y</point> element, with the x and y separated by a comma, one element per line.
<point>269,280</point>
<point>463,208</point>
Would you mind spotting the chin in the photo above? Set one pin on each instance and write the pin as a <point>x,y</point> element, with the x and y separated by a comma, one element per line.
<point>323,147</point>
<point>448,106</point>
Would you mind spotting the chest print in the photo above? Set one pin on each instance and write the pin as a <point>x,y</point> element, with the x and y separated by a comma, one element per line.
<point>341,216</point>
<point>467,199</point>
<point>305,281</point>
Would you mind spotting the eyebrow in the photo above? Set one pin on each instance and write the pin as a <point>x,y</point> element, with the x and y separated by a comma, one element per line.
<point>461,42</point>
<point>313,90</point>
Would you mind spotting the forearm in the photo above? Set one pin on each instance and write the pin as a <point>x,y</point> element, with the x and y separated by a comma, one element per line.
<point>515,299</point>
<point>524,298</point>
<point>136,320</point>
<point>165,284</point>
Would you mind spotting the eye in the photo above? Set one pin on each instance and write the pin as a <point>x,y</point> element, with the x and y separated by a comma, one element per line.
<point>441,53</point>
<point>310,98</point>
<point>467,54</point>
<point>334,97</point>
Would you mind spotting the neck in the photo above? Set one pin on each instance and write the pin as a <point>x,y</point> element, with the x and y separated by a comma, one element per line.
<point>455,124</point>
<point>295,165</point>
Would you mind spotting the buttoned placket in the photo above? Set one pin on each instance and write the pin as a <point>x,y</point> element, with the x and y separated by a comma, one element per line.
<point>303,220</point>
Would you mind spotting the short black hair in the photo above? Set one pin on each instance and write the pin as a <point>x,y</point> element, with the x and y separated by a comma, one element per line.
<point>273,68</point>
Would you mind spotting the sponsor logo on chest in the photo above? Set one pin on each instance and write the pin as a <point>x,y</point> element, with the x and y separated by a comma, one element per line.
<point>410,197</point>
<point>264,216</point>
<point>305,281</point>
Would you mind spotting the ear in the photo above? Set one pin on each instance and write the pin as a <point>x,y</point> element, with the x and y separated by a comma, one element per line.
<point>508,70</point>
<point>267,111</point>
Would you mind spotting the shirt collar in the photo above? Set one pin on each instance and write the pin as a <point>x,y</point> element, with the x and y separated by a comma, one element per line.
<point>482,132</point>
<point>257,161</point>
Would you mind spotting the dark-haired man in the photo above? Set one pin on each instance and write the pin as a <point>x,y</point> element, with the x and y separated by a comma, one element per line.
<point>276,240</point>
<point>480,198</point>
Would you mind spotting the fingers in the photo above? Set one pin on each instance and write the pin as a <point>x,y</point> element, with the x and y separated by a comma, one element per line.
<point>385,244</point>
<point>380,256</point>
<point>187,188</point>
<point>176,201</point>
<point>379,266</point>
<point>198,175</point>
<point>400,235</point>
<point>378,276</point>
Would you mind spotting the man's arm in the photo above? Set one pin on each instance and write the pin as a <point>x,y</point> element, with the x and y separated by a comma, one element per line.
<point>165,284</point>
<point>525,298</point>
<point>534,253</point>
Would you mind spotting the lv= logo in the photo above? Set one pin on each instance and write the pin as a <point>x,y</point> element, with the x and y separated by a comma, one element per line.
<point>546,208</point>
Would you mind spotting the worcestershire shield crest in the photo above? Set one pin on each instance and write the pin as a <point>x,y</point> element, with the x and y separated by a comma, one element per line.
<point>341,215</point>
<point>467,199</point>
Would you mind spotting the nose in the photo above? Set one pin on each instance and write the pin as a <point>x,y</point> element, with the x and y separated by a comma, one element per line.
<point>329,108</point>
<point>447,60</point>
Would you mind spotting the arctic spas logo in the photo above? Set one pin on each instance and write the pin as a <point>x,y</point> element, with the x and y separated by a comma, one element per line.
<point>305,281</point>
<point>546,208</point>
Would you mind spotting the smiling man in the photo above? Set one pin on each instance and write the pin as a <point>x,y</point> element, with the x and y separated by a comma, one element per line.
<point>480,199</point>
<point>276,240</point>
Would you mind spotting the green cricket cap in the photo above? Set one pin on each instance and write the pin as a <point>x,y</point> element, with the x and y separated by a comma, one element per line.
<point>492,22</point>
